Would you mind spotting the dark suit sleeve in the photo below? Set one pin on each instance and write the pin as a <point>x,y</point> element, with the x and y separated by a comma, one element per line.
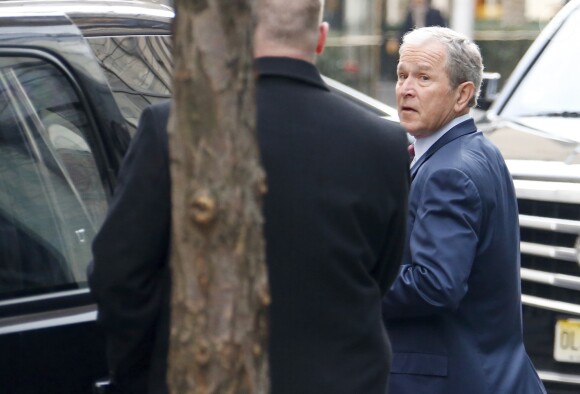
<point>443,243</point>
<point>397,208</point>
<point>130,254</point>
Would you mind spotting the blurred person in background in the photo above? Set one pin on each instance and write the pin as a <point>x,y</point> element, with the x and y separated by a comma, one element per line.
<point>420,13</point>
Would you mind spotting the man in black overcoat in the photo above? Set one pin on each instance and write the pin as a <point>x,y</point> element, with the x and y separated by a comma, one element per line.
<point>334,212</point>
<point>129,275</point>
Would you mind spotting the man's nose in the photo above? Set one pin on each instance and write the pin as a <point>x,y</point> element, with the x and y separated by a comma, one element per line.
<point>407,87</point>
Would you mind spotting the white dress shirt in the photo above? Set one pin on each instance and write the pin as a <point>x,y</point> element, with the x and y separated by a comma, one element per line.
<point>422,145</point>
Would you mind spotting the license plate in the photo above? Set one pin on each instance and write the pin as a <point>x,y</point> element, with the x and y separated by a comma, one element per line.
<point>567,341</point>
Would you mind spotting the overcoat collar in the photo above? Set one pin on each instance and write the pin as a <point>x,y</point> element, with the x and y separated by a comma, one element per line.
<point>463,128</point>
<point>290,68</point>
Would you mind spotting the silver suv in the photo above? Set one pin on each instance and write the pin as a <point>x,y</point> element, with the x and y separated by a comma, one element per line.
<point>535,121</point>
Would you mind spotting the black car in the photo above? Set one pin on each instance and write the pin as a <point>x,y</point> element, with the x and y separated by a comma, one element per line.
<point>74,78</point>
<point>535,121</point>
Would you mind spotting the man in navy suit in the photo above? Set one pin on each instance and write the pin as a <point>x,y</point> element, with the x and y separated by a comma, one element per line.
<point>454,311</point>
<point>335,215</point>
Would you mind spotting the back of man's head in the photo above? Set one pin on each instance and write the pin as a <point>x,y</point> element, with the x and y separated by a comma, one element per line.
<point>289,28</point>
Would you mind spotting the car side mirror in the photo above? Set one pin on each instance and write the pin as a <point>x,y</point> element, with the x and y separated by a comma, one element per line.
<point>489,90</point>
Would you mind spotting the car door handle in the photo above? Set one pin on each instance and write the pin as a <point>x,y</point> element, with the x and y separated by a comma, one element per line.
<point>103,387</point>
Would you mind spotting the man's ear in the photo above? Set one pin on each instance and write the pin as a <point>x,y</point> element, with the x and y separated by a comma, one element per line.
<point>322,34</point>
<point>465,92</point>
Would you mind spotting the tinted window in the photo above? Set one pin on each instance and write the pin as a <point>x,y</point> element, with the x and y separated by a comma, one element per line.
<point>51,196</point>
<point>138,69</point>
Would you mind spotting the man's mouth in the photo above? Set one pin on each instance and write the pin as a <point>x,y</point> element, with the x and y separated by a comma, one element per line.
<point>408,109</point>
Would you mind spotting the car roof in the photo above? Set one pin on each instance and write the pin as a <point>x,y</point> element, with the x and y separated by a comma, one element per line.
<point>78,7</point>
<point>96,18</point>
<point>91,16</point>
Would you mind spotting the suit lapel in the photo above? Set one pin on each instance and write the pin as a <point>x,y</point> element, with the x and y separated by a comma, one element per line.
<point>464,128</point>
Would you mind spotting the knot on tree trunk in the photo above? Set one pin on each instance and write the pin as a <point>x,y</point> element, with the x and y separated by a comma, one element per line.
<point>202,352</point>
<point>202,208</point>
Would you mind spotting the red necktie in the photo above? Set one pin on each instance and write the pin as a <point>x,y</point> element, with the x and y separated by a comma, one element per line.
<point>411,149</point>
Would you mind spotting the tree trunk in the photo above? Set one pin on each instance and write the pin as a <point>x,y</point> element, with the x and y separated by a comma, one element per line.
<point>219,288</point>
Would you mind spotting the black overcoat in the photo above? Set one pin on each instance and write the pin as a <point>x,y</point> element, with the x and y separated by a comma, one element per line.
<point>335,215</point>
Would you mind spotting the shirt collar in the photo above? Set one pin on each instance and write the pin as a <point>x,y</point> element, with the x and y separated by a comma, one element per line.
<point>422,145</point>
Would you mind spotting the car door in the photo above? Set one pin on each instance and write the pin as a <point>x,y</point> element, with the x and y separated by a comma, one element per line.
<point>56,161</point>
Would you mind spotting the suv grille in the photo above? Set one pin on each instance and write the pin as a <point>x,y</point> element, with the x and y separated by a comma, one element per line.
<point>550,263</point>
<point>550,280</point>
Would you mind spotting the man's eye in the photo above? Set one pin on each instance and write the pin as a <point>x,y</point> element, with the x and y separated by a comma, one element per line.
<point>424,77</point>
<point>401,77</point>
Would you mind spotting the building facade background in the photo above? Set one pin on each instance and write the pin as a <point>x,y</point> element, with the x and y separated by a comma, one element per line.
<point>358,51</point>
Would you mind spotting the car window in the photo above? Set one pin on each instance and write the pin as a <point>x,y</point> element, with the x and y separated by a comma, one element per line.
<point>52,199</point>
<point>138,69</point>
<point>539,92</point>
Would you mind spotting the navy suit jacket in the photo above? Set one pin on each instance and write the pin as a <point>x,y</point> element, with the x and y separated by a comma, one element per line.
<point>454,311</point>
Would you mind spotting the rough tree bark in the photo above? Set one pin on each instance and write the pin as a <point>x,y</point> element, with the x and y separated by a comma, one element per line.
<point>220,295</point>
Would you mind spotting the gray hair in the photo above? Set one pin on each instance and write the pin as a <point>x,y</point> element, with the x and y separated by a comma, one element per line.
<point>464,61</point>
<point>293,23</point>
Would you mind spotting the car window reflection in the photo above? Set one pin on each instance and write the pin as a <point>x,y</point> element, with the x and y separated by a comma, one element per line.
<point>139,71</point>
<point>51,196</point>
